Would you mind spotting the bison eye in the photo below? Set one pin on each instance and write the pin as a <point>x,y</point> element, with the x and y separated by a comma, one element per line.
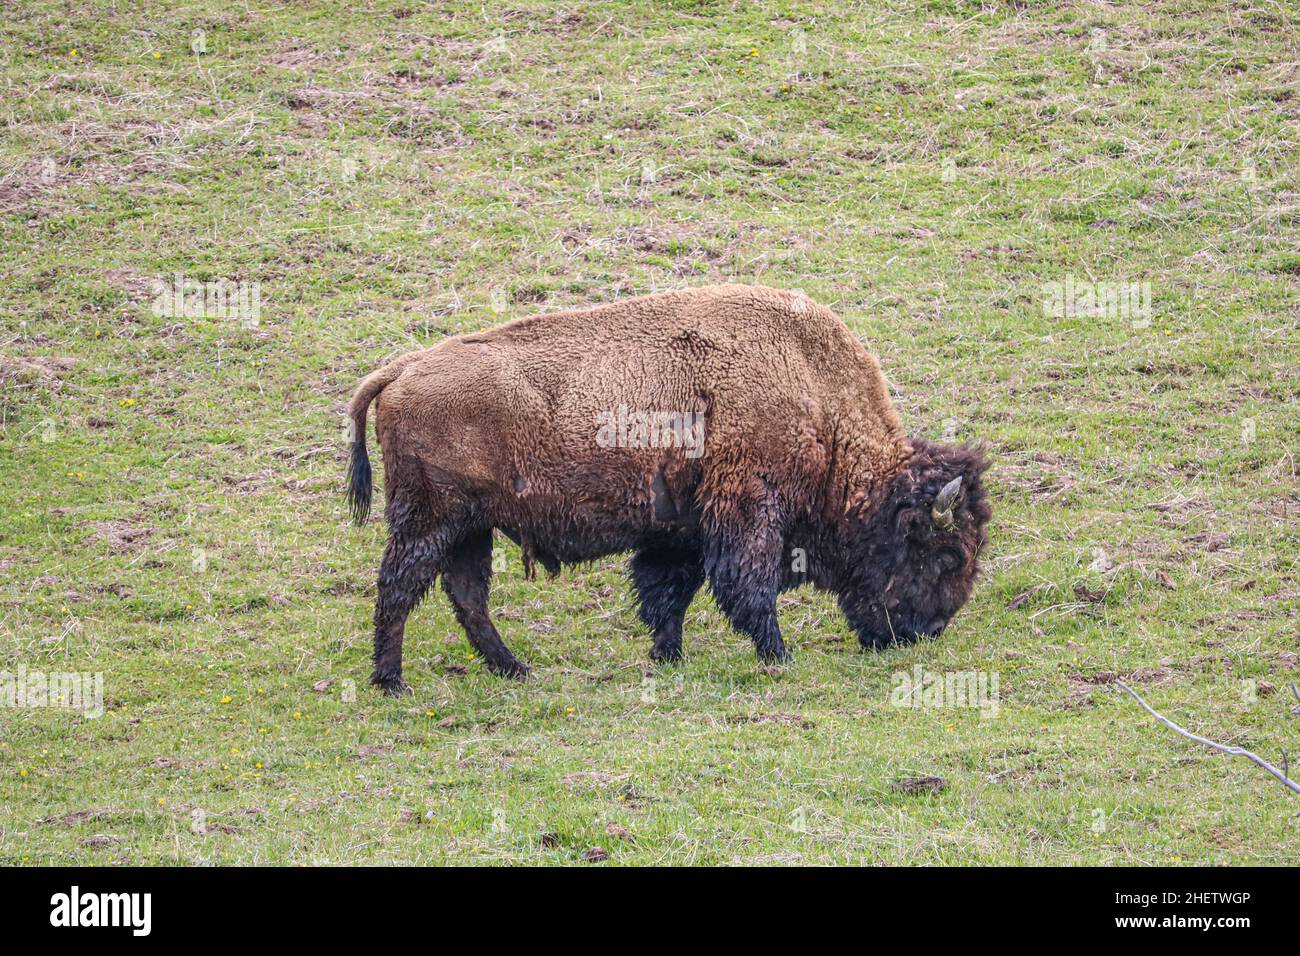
<point>950,560</point>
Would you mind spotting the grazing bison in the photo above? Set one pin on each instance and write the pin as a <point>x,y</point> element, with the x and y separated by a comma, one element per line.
<point>736,434</point>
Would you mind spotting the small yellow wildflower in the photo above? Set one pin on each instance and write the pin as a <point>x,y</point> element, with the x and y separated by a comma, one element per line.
<point>227,699</point>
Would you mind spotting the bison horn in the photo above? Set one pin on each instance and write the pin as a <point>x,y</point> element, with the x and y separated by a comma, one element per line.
<point>941,513</point>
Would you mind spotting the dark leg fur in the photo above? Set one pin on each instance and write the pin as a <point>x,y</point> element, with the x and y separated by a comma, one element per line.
<point>409,566</point>
<point>466,581</point>
<point>744,575</point>
<point>750,605</point>
<point>666,580</point>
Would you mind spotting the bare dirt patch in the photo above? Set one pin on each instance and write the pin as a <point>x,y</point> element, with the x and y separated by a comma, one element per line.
<point>122,537</point>
<point>789,720</point>
<point>138,288</point>
<point>44,371</point>
<point>80,816</point>
<point>1081,686</point>
<point>101,840</point>
<point>920,785</point>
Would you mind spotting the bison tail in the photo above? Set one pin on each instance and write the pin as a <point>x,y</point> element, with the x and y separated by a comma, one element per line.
<point>359,477</point>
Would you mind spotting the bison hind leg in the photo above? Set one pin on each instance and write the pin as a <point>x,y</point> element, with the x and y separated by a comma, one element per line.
<point>666,580</point>
<point>409,566</point>
<point>466,580</point>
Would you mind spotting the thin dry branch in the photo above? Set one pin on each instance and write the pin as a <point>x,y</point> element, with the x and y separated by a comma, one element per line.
<point>1238,751</point>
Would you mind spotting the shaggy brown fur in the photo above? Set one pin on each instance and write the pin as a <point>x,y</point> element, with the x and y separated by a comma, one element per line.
<point>804,473</point>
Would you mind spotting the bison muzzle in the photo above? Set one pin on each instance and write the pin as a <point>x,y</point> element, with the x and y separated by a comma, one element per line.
<point>735,434</point>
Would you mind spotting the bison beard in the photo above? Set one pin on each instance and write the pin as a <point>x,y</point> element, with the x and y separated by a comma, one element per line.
<point>792,467</point>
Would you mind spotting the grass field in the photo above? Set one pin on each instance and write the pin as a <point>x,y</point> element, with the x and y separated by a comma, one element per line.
<point>385,174</point>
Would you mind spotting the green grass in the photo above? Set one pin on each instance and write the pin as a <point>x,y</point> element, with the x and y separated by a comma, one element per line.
<point>388,175</point>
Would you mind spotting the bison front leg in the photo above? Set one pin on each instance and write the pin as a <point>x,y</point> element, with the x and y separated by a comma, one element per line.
<point>666,580</point>
<point>745,579</point>
<point>466,581</point>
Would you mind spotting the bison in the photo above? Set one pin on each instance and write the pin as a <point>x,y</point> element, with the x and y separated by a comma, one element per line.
<point>735,434</point>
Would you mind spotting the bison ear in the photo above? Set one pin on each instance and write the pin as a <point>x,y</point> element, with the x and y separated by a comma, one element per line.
<point>944,503</point>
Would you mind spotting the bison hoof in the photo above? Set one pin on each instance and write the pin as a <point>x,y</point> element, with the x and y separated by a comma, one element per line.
<point>666,654</point>
<point>774,656</point>
<point>511,668</point>
<point>392,686</point>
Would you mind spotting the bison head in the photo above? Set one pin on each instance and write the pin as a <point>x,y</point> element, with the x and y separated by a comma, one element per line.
<point>913,553</point>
